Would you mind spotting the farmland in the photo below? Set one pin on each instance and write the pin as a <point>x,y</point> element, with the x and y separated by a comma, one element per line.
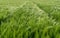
<point>29,18</point>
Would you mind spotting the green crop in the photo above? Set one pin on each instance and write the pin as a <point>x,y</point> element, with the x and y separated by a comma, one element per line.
<point>30,19</point>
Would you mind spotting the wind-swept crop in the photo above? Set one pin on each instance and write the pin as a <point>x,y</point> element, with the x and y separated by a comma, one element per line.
<point>30,20</point>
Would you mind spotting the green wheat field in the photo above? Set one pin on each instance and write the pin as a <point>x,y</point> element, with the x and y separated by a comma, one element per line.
<point>29,18</point>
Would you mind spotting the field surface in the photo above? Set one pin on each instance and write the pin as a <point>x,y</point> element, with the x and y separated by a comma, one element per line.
<point>29,18</point>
